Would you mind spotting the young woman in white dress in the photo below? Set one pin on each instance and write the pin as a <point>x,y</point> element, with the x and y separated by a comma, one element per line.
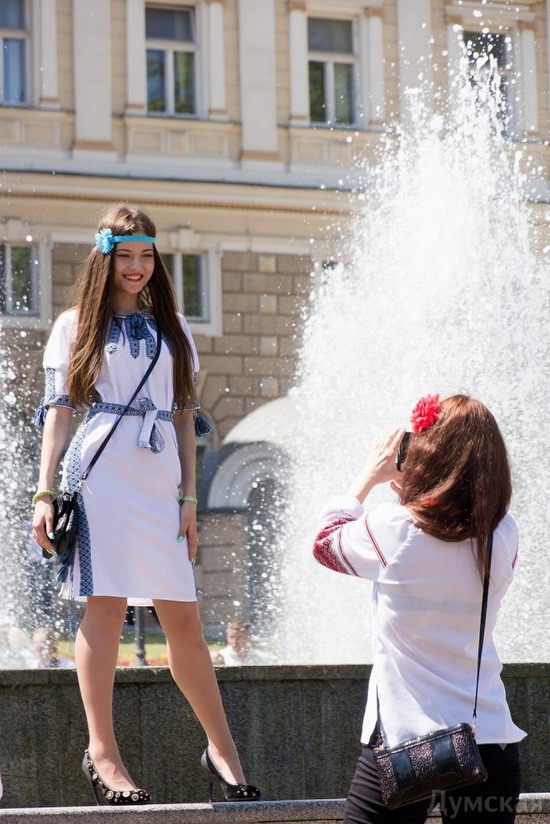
<point>136,513</point>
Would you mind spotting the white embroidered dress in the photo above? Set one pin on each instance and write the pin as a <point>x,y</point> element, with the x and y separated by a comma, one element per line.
<point>128,508</point>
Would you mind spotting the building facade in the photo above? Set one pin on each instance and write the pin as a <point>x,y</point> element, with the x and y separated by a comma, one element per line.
<point>237,124</point>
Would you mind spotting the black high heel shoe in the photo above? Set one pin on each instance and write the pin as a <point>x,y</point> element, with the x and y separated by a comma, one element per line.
<point>231,792</point>
<point>107,795</point>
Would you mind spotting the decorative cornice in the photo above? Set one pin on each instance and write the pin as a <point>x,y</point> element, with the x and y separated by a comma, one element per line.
<point>85,197</point>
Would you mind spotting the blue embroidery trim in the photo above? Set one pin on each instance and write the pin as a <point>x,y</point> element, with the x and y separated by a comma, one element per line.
<point>71,481</point>
<point>50,398</point>
<point>136,329</point>
<point>150,437</point>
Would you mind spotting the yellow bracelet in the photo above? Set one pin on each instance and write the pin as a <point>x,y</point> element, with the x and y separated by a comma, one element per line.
<point>41,493</point>
<point>189,499</point>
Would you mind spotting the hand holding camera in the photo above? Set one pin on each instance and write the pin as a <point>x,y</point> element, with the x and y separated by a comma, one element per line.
<point>379,468</point>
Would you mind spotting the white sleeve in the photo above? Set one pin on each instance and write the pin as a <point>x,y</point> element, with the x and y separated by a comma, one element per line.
<point>187,332</point>
<point>56,361</point>
<point>348,540</point>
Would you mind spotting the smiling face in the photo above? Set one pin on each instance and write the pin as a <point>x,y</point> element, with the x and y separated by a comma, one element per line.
<point>134,263</point>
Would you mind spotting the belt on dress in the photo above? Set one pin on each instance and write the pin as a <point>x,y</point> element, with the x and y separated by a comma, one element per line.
<point>149,437</point>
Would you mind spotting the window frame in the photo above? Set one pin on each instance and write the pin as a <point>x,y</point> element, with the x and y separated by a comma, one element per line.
<point>211,283</point>
<point>509,128</point>
<point>9,311</point>
<point>170,48</point>
<point>329,59</point>
<point>24,35</point>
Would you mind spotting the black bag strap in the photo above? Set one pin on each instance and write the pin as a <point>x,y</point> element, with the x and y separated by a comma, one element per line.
<point>483,619</point>
<point>377,736</point>
<point>111,431</point>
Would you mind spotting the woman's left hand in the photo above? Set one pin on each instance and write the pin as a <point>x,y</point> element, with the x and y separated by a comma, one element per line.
<point>379,468</point>
<point>188,527</point>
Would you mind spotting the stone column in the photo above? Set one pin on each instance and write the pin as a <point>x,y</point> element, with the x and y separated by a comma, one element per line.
<point>44,13</point>
<point>92,75</point>
<point>216,58</point>
<point>414,32</point>
<point>136,69</point>
<point>372,65</point>
<point>258,80</point>
<point>528,69</point>
<point>298,68</point>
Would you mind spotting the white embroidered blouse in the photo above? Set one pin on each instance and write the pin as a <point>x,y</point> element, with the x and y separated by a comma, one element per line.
<point>426,606</point>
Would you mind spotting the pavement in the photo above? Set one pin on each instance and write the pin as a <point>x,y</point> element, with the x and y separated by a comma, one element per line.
<point>534,809</point>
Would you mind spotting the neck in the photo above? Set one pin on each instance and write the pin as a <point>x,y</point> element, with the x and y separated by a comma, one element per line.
<point>125,305</point>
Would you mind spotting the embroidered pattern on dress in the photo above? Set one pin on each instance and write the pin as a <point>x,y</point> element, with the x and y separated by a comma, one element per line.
<point>150,437</point>
<point>136,329</point>
<point>71,480</point>
<point>327,548</point>
<point>50,398</point>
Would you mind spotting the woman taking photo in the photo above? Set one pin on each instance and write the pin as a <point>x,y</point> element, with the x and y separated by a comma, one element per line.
<point>427,555</point>
<point>136,513</point>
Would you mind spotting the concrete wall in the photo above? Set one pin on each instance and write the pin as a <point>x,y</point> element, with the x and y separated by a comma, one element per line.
<point>297,729</point>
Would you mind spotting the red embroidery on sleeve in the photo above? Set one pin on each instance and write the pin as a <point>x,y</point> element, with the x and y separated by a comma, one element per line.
<point>324,550</point>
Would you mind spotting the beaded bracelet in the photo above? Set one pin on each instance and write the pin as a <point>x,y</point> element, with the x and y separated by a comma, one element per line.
<point>189,499</point>
<point>41,493</point>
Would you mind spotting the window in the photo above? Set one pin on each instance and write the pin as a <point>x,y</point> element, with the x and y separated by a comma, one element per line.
<point>480,47</point>
<point>191,284</point>
<point>13,37</point>
<point>333,71</point>
<point>18,280</point>
<point>171,61</point>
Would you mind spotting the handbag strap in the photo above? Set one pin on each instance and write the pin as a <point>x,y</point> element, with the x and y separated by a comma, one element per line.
<point>377,735</point>
<point>111,431</point>
<point>483,619</point>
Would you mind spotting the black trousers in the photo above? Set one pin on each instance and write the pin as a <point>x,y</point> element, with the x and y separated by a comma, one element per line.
<point>493,802</point>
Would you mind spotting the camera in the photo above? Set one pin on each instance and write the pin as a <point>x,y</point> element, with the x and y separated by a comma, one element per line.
<point>402,450</point>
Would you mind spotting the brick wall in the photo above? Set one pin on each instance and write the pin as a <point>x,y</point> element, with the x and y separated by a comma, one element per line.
<point>255,358</point>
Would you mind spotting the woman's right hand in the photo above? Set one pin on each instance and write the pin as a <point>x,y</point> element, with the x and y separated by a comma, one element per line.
<point>379,467</point>
<point>42,524</point>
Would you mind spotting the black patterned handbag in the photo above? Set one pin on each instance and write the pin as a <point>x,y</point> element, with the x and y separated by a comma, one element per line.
<point>444,760</point>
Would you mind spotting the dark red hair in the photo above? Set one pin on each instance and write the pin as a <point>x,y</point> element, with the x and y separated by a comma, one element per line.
<point>456,477</point>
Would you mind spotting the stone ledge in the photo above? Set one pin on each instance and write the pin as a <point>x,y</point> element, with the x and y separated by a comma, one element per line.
<point>533,808</point>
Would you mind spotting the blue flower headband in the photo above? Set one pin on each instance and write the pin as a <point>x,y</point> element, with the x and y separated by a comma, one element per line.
<point>105,240</point>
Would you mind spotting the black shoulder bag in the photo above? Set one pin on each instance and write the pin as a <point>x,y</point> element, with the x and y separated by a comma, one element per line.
<point>443,760</point>
<point>64,505</point>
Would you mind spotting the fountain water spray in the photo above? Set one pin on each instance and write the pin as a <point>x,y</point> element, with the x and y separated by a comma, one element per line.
<point>443,291</point>
<point>22,573</point>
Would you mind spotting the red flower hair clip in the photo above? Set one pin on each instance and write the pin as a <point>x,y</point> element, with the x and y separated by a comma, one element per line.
<point>425,413</point>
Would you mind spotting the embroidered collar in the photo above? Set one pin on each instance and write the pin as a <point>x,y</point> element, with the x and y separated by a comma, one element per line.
<point>135,327</point>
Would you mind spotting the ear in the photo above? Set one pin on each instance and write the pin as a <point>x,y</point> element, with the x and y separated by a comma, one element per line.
<point>395,487</point>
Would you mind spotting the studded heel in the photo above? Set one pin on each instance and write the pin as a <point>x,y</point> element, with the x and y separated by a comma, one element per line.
<point>231,792</point>
<point>107,795</point>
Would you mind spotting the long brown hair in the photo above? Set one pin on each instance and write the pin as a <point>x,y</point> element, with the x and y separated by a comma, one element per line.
<point>95,311</point>
<point>456,477</point>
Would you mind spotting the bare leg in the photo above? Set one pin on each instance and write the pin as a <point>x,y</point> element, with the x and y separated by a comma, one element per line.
<point>96,651</point>
<point>192,670</point>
